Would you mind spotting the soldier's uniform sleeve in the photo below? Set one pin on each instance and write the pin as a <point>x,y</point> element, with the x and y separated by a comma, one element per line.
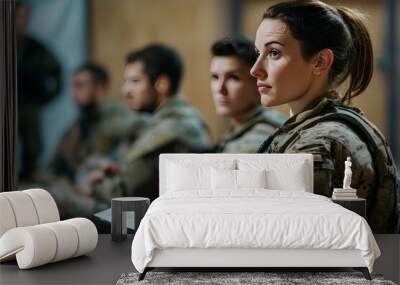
<point>311,142</point>
<point>248,142</point>
<point>117,124</point>
<point>123,123</point>
<point>70,203</point>
<point>65,157</point>
<point>116,132</point>
<point>333,142</point>
<point>140,168</point>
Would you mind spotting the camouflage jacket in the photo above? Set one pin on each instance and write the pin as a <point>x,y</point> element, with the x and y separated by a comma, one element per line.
<point>97,133</point>
<point>175,128</point>
<point>247,138</point>
<point>332,142</point>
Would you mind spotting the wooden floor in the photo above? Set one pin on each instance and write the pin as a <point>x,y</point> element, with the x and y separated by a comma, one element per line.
<point>106,264</point>
<point>389,262</point>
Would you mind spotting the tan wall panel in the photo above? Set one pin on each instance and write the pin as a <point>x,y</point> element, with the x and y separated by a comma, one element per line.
<point>191,26</point>
<point>372,101</point>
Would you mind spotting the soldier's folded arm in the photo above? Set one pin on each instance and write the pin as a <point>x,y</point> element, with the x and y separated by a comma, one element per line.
<point>139,168</point>
<point>320,148</point>
<point>139,176</point>
<point>71,203</point>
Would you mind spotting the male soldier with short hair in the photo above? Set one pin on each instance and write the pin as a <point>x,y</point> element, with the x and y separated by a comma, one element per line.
<point>236,97</point>
<point>152,79</point>
<point>102,123</point>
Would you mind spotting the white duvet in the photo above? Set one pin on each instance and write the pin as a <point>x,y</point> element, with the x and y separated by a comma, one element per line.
<point>250,219</point>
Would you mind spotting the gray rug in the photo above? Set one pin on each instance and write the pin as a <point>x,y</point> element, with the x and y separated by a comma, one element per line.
<point>229,278</point>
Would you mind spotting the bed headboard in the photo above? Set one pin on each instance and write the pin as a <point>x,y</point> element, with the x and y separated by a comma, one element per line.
<point>282,162</point>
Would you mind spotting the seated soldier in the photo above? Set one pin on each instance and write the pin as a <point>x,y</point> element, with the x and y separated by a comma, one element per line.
<point>102,123</point>
<point>304,67</point>
<point>236,97</point>
<point>152,79</point>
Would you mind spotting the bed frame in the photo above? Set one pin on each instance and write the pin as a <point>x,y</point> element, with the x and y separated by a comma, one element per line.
<point>244,259</point>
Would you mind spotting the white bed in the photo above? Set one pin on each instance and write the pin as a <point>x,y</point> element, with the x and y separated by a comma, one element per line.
<point>201,220</point>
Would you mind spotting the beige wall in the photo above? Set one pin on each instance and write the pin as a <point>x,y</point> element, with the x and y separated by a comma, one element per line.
<point>372,101</point>
<point>191,26</point>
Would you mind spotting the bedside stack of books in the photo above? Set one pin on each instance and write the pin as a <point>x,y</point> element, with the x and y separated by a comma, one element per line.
<point>344,194</point>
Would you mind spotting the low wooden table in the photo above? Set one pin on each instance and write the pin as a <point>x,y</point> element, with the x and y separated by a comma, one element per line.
<point>110,259</point>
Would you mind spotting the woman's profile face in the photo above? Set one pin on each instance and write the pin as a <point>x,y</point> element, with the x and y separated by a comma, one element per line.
<point>283,75</point>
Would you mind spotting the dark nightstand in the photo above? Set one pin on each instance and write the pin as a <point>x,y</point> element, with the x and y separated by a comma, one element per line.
<point>120,207</point>
<point>358,206</point>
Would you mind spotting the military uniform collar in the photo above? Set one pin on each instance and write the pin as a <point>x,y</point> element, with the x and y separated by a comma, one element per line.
<point>171,104</point>
<point>104,105</point>
<point>252,118</point>
<point>315,107</point>
<point>248,119</point>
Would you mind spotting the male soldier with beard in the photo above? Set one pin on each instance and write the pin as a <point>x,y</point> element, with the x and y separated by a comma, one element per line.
<point>102,123</point>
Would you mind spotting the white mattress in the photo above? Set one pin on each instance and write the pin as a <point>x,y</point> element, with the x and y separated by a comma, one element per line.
<point>256,218</point>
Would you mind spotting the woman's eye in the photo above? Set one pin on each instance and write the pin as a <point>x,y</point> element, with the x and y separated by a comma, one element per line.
<point>214,77</point>
<point>274,53</point>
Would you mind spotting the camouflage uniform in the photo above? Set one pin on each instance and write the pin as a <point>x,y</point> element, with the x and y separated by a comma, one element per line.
<point>332,142</point>
<point>95,133</point>
<point>175,128</point>
<point>247,138</point>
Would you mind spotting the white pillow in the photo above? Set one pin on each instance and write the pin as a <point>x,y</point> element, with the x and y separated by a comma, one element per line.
<point>294,180</point>
<point>281,174</point>
<point>186,175</point>
<point>251,178</point>
<point>223,179</point>
<point>181,178</point>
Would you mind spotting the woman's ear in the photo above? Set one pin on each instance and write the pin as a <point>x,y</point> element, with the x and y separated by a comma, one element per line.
<point>323,61</point>
<point>163,85</point>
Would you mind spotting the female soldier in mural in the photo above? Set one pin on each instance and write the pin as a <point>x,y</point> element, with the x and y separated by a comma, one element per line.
<point>307,49</point>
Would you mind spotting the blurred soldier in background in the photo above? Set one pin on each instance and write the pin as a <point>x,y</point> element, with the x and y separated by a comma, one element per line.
<point>236,97</point>
<point>39,81</point>
<point>152,79</point>
<point>102,124</point>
